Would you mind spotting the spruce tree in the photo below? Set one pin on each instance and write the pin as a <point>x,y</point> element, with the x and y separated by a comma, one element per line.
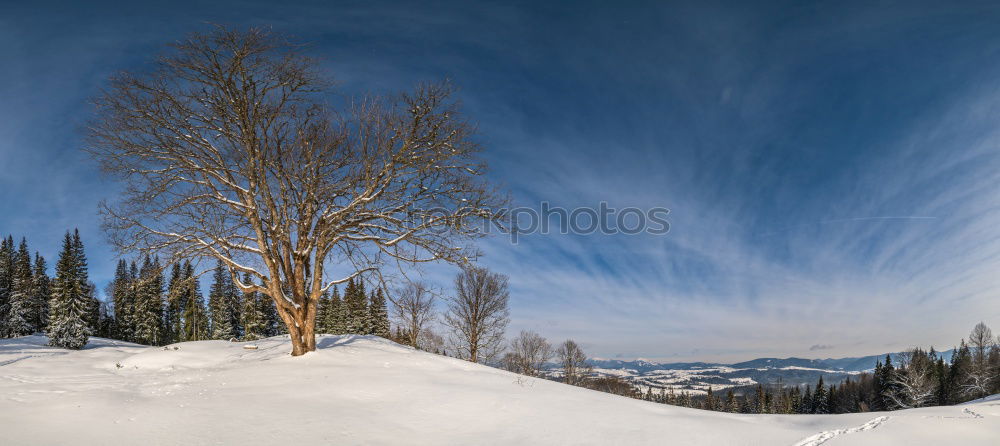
<point>323,311</point>
<point>6,281</point>
<point>709,403</point>
<point>89,289</point>
<point>195,320</point>
<point>338,314</point>
<point>731,405</point>
<point>21,309</point>
<point>272,322</point>
<point>807,401</point>
<point>121,296</point>
<point>69,304</point>
<point>40,294</point>
<point>378,315</point>
<point>251,314</point>
<point>232,306</point>
<point>221,304</point>
<point>355,300</point>
<point>173,319</point>
<point>961,365</point>
<point>820,401</point>
<point>148,311</point>
<point>106,327</point>
<point>889,388</point>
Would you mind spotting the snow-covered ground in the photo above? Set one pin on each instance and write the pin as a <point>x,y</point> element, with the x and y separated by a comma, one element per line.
<point>363,390</point>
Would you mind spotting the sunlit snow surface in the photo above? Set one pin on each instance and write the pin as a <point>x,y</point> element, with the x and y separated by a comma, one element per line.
<point>364,390</point>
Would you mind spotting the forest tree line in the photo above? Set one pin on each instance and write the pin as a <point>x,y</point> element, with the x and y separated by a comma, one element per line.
<point>145,307</point>
<point>921,378</point>
<point>153,304</point>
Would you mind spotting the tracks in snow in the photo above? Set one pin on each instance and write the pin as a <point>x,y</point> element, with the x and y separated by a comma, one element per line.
<point>36,355</point>
<point>825,436</point>
<point>971,412</point>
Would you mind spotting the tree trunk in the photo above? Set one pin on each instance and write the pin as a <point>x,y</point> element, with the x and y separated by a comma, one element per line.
<point>301,329</point>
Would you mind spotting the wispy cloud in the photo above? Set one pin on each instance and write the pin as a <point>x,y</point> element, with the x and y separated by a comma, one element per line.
<point>833,175</point>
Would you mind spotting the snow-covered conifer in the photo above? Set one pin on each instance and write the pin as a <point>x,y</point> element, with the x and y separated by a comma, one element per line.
<point>148,311</point>
<point>195,320</point>
<point>41,292</point>
<point>378,315</point>
<point>6,281</point>
<point>251,314</point>
<point>69,305</point>
<point>21,309</point>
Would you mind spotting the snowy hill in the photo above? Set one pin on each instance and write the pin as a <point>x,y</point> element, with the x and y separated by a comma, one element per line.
<point>364,390</point>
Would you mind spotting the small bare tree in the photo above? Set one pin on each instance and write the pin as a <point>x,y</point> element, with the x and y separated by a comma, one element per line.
<point>979,380</point>
<point>228,150</point>
<point>574,362</point>
<point>413,309</point>
<point>980,342</point>
<point>477,314</point>
<point>528,354</point>
<point>429,341</point>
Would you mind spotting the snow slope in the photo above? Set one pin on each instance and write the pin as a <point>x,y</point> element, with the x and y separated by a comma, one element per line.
<point>364,390</point>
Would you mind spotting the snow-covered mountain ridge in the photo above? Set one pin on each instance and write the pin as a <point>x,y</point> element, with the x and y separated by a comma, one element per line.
<point>697,377</point>
<point>365,390</point>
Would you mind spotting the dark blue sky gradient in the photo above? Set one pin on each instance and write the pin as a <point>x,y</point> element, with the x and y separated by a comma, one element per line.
<point>832,169</point>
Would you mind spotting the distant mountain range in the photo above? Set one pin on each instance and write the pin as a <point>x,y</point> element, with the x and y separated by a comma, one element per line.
<point>698,377</point>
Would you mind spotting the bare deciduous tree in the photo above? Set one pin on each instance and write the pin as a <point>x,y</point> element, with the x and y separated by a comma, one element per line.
<point>980,342</point>
<point>430,341</point>
<point>228,150</point>
<point>980,376</point>
<point>413,309</point>
<point>574,362</point>
<point>477,314</point>
<point>528,354</point>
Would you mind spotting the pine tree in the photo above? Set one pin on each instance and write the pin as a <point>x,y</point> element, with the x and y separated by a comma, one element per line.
<point>6,281</point>
<point>709,403</point>
<point>820,401</point>
<point>106,327</point>
<point>253,318</point>
<point>323,314</point>
<point>889,389</point>
<point>69,304</point>
<point>807,401</point>
<point>233,307</point>
<point>40,294</point>
<point>173,319</point>
<point>731,405</point>
<point>961,365</point>
<point>91,303</point>
<point>355,300</point>
<point>148,311</point>
<point>338,314</point>
<point>121,295</point>
<point>272,322</point>
<point>795,400</point>
<point>762,400</point>
<point>195,320</point>
<point>222,307</point>
<point>21,309</point>
<point>378,315</point>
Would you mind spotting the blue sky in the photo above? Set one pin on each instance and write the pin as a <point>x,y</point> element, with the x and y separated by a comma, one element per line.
<point>832,169</point>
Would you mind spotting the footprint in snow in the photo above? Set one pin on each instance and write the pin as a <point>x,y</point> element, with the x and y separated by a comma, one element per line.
<point>825,436</point>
